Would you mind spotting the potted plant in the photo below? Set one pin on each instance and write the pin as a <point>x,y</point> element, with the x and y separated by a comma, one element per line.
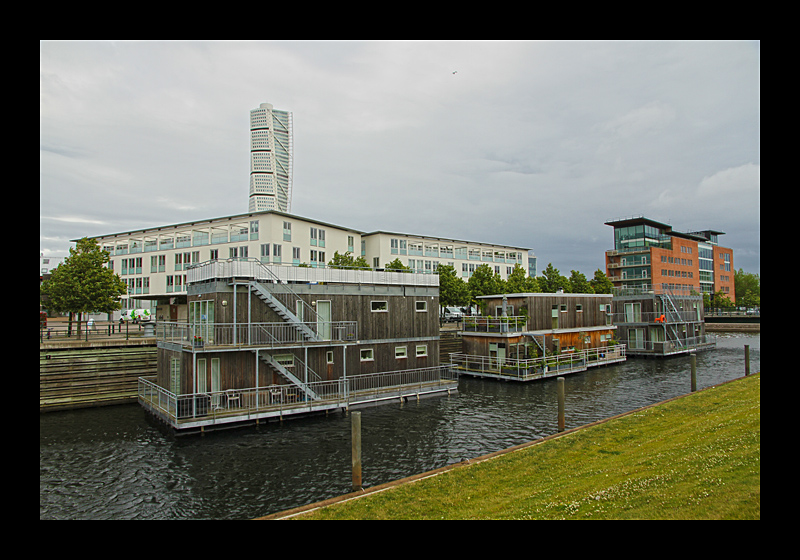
<point>198,341</point>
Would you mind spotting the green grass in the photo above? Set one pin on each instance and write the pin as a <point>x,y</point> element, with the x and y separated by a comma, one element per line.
<point>697,457</point>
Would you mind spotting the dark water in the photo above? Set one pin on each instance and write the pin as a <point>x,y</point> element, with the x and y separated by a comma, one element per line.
<point>114,463</point>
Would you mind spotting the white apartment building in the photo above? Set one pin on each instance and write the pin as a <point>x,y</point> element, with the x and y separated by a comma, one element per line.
<point>424,254</point>
<point>153,262</point>
<point>271,156</point>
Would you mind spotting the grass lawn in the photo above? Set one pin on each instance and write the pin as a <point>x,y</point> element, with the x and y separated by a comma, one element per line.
<point>696,457</point>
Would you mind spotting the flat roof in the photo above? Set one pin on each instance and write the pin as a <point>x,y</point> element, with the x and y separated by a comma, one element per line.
<point>622,222</point>
<point>213,220</point>
<point>435,238</point>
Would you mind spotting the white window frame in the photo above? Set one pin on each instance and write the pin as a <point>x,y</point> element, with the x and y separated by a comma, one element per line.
<point>367,355</point>
<point>379,309</point>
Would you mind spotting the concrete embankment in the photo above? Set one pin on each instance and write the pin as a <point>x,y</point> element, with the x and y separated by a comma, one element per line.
<point>80,374</point>
<point>733,327</point>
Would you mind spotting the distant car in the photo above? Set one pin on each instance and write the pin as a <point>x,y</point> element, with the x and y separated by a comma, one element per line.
<point>452,314</point>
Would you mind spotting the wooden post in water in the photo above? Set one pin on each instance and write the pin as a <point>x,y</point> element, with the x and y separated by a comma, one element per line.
<point>747,359</point>
<point>355,428</point>
<point>694,372</point>
<point>560,403</point>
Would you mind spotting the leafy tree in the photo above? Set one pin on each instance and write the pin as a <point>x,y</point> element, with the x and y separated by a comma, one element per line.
<point>484,281</point>
<point>83,284</point>
<point>601,284</point>
<point>578,284</point>
<point>397,265</point>
<point>519,282</point>
<point>552,280</point>
<point>748,288</point>
<point>453,291</point>
<point>347,261</point>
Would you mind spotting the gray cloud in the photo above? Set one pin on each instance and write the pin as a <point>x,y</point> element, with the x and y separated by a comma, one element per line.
<point>532,144</point>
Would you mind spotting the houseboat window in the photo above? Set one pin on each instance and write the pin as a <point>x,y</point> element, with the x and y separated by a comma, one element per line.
<point>329,356</point>
<point>422,350</point>
<point>421,305</point>
<point>563,308</point>
<point>579,307</point>
<point>175,375</point>
<point>366,355</point>
<point>400,352</point>
<point>286,360</point>
<point>379,306</point>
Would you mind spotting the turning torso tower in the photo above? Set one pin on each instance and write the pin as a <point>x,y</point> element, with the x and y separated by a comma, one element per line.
<point>271,154</point>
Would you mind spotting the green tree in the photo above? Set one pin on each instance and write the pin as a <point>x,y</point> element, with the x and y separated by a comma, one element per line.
<point>519,282</point>
<point>397,265</point>
<point>601,284</point>
<point>453,291</point>
<point>83,283</point>
<point>552,280</point>
<point>347,261</point>
<point>484,282</point>
<point>578,284</point>
<point>748,288</point>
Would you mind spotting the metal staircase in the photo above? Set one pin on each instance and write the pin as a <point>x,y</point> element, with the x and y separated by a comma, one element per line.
<point>283,311</point>
<point>673,317</point>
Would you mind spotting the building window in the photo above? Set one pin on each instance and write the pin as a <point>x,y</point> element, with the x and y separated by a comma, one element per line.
<point>400,352</point>
<point>287,231</point>
<point>381,306</point>
<point>422,350</point>
<point>366,355</point>
<point>329,356</point>
<point>421,305</point>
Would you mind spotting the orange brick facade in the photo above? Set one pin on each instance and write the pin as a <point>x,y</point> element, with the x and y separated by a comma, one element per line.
<point>677,267</point>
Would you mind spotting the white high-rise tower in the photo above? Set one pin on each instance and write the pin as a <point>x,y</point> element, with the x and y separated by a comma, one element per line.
<point>271,154</point>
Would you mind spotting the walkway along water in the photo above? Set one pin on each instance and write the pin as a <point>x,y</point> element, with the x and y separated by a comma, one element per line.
<point>112,463</point>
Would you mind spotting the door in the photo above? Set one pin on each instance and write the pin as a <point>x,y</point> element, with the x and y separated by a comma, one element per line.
<point>324,319</point>
<point>201,318</point>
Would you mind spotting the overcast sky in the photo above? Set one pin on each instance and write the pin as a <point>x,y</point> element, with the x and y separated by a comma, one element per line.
<point>529,144</point>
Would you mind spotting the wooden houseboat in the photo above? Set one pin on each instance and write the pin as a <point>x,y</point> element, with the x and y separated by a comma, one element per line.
<point>264,341</point>
<point>528,336</point>
<point>660,320</point>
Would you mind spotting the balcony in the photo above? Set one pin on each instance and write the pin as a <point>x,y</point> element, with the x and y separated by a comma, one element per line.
<point>216,336</point>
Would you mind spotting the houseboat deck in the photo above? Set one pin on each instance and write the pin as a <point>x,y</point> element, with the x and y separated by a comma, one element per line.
<point>200,411</point>
<point>536,368</point>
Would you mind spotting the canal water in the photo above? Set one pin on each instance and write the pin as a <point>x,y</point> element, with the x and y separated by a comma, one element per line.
<point>116,463</point>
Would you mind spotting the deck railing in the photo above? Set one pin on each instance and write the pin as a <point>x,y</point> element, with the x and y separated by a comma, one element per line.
<point>243,403</point>
<point>665,348</point>
<point>286,274</point>
<point>535,368</point>
<point>202,335</point>
<point>516,323</point>
<point>656,317</point>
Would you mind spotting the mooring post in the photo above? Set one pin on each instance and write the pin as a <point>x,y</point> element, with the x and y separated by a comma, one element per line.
<point>694,372</point>
<point>355,423</point>
<point>747,359</point>
<point>560,404</point>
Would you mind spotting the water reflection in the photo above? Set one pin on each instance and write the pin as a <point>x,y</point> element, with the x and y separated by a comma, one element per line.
<point>115,463</point>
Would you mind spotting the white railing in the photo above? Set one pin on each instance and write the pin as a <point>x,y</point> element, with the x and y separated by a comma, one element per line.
<point>201,335</point>
<point>256,270</point>
<point>517,323</point>
<point>668,347</point>
<point>662,317</point>
<point>536,368</point>
<point>242,403</point>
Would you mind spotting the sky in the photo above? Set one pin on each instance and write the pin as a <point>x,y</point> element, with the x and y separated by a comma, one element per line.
<point>531,144</point>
